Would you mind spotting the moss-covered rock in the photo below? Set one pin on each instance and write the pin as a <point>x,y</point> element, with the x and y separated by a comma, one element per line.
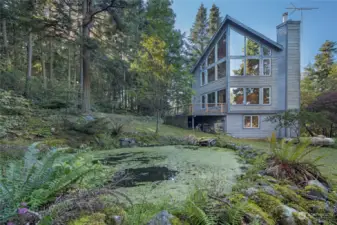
<point>93,219</point>
<point>115,215</point>
<point>302,218</point>
<point>315,192</point>
<point>269,204</point>
<point>289,194</point>
<point>256,212</point>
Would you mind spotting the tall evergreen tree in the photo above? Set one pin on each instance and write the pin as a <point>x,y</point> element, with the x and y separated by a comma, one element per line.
<point>214,20</point>
<point>198,35</point>
<point>322,68</point>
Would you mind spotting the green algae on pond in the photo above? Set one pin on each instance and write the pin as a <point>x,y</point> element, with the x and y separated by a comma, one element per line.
<point>203,168</point>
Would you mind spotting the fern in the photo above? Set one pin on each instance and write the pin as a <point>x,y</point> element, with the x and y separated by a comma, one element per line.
<point>196,215</point>
<point>38,181</point>
<point>293,161</point>
<point>193,210</point>
<point>234,214</point>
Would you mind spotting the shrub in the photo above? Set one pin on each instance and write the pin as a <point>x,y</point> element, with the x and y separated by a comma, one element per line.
<point>292,162</point>
<point>38,181</point>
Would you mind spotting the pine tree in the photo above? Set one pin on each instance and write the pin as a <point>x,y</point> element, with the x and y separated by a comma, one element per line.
<point>323,65</point>
<point>198,35</point>
<point>214,20</point>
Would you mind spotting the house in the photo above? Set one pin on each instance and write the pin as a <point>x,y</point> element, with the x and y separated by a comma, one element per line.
<point>243,77</point>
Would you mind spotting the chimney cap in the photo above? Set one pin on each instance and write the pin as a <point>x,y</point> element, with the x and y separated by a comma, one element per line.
<point>284,17</point>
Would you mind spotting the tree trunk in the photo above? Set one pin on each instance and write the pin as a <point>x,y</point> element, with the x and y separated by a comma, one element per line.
<point>69,69</point>
<point>157,125</point>
<point>51,62</point>
<point>5,39</point>
<point>44,69</point>
<point>30,62</point>
<point>85,60</point>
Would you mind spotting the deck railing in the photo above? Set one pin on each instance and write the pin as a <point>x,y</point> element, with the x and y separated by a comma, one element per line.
<point>208,109</point>
<point>199,109</point>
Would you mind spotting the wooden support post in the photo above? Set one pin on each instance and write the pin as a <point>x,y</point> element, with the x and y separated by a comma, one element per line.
<point>192,122</point>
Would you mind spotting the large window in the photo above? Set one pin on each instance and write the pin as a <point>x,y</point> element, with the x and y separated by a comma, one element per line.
<point>266,96</point>
<point>211,74</point>
<point>237,44</point>
<point>211,57</point>
<point>221,70</point>
<point>250,96</point>
<point>266,67</point>
<point>251,121</point>
<point>252,48</point>
<point>203,78</point>
<point>222,96</point>
<point>248,57</point>
<point>236,95</point>
<point>237,67</point>
<point>253,67</point>
<point>222,47</point>
<point>203,101</point>
<point>211,99</point>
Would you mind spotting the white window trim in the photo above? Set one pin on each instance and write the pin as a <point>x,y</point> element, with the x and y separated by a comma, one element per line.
<point>251,122</point>
<point>260,96</point>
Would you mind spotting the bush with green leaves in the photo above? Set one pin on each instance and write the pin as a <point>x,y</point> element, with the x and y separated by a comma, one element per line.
<point>293,162</point>
<point>38,180</point>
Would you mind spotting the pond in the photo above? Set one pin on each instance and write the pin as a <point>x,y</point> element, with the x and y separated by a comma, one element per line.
<point>171,172</point>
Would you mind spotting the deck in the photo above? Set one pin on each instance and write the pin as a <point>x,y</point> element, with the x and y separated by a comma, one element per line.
<point>200,110</point>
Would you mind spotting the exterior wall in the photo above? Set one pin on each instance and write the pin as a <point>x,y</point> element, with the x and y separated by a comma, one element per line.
<point>294,66</point>
<point>235,127</point>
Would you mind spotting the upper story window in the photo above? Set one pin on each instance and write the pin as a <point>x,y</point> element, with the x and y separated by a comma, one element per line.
<point>211,57</point>
<point>222,48</point>
<point>221,69</point>
<point>236,96</point>
<point>252,48</point>
<point>211,74</point>
<point>237,44</point>
<point>250,96</point>
<point>253,59</point>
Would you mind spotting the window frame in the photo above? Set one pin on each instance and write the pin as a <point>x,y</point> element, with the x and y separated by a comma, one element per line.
<point>261,94</point>
<point>251,122</point>
<point>245,57</point>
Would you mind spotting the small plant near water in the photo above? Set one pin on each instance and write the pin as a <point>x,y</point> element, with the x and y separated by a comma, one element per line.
<point>291,161</point>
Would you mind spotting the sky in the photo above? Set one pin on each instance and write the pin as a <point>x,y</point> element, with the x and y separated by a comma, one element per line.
<point>318,25</point>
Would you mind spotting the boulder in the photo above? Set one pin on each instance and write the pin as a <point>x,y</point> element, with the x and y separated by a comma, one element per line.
<point>251,191</point>
<point>287,217</point>
<point>127,142</point>
<point>315,190</point>
<point>269,190</point>
<point>162,218</point>
<point>322,141</point>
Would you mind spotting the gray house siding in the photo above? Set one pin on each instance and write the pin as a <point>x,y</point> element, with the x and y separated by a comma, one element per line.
<point>235,127</point>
